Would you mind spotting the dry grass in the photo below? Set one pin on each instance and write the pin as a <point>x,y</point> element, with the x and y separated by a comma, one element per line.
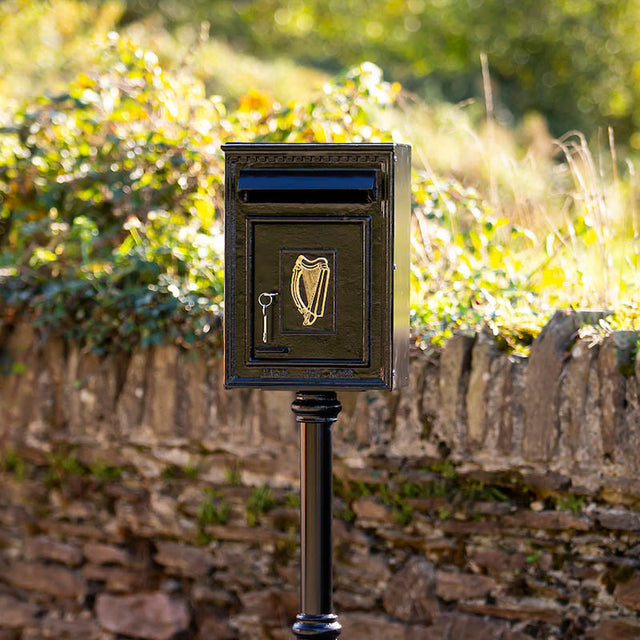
<point>578,198</point>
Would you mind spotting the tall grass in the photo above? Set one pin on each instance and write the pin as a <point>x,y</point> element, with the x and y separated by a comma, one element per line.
<point>577,198</point>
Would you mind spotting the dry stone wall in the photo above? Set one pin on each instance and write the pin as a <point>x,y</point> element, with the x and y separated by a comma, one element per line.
<point>497,497</point>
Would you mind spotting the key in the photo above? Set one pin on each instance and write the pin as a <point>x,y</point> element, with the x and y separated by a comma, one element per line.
<point>264,323</point>
<point>264,300</point>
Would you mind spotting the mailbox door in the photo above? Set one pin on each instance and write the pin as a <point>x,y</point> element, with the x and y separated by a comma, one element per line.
<point>316,274</point>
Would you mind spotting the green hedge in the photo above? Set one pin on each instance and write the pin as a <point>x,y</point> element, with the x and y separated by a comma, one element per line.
<point>111,201</point>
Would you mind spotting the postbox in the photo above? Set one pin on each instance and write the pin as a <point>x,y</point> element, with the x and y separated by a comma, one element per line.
<point>317,265</point>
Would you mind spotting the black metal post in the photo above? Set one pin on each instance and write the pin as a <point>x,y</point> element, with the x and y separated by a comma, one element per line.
<point>317,412</point>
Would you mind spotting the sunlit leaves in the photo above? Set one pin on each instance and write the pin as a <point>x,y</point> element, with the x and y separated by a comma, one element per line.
<point>111,200</point>
<point>113,192</point>
<point>468,267</point>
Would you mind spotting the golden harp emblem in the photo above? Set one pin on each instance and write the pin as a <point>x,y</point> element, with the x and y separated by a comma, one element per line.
<point>314,276</point>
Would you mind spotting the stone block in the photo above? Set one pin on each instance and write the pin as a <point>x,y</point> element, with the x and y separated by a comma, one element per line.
<point>462,586</point>
<point>255,535</point>
<point>54,581</point>
<point>278,422</point>
<point>366,626</point>
<point>496,561</point>
<point>92,384</point>
<point>160,407</point>
<point>63,529</point>
<point>44,547</point>
<point>470,527</point>
<point>628,593</point>
<point>70,628</point>
<point>150,616</point>
<point>551,520</point>
<point>19,388</point>
<point>348,601</point>
<point>362,573</point>
<point>541,400</point>
<point>272,606</point>
<point>474,627</point>
<point>183,559</point>
<point>620,520</point>
<point>411,593</point>
<point>130,405</point>
<point>214,628</point>
<point>192,396</point>
<point>371,421</point>
<point>369,509</point>
<point>455,362</point>
<point>579,414</point>
<point>52,396</point>
<point>525,609</point>
<point>615,629</point>
<point>98,553</point>
<point>16,614</point>
<point>628,438</point>
<point>430,401</point>
<point>234,418</point>
<point>117,579</point>
<point>500,406</point>
<point>408,435</point>
<point>483,354</point>
<point>611,359</point>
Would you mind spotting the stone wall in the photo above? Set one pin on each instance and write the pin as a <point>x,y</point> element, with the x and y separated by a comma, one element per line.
<point>497,497</point>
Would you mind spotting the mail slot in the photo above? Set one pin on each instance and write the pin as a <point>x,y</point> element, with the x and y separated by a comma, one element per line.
<point>317,265</point>
<point>307,185</point>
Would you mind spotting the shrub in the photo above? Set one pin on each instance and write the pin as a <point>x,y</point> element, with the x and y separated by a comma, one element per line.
<point>110,197</point>
<point>111,193</point>
<point>111,227</point>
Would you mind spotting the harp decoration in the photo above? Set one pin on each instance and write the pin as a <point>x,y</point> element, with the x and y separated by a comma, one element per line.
<point>313,275</point>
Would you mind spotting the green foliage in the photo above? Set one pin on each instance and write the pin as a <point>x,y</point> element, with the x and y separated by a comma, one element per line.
<point>61,466</point>
<point>347,514</point>
<point>233,475</point>
<point>106,472</point>
<point>570,502</point>
<point>285,550</point>
<point>45,44</point>
<point>17,368</point>
<point>111,196</point>
<point>12,462</point>
<point>443,513</point>
<point>400,510</point>
<point>350,490</point>
<point>468,267</point>
<point>109,206</point>
<point>213,509</point>
<point>173,471</point>
<point>575,62</point>
<point>534,557</point>
<point>191,470</point>
<point>446,469</point>
<point>259,502</point>
<point>292,500</point>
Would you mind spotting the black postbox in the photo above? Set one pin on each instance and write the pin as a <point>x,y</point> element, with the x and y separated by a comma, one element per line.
<point>317,265</point>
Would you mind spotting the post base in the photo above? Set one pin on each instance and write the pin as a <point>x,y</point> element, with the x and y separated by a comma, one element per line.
<point>321,627</point>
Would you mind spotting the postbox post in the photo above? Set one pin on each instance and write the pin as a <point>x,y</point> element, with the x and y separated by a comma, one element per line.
<point>317,244</point>
<point>316,412</point>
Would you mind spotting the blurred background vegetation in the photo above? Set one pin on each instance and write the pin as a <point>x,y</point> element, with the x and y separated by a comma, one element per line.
<point>524,119</point>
